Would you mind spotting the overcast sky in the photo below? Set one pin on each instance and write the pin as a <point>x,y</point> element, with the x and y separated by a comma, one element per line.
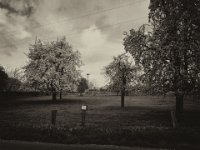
<point>94,27</point>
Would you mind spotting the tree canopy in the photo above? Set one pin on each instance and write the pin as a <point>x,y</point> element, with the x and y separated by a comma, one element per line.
<point>121,72</point>
<point>15,80</point>
<point>170,52</point>
<point>3,79</point>
<point>83,85</point>
<point>52,66</point>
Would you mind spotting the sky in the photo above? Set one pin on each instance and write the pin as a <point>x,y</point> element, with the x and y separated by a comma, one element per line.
<point>93,27</point>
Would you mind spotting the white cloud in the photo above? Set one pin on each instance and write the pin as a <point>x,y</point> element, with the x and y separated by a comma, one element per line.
<point>54,18</point>
<point>19,32</point>
<point>14,26</point>
<point>3,18</point>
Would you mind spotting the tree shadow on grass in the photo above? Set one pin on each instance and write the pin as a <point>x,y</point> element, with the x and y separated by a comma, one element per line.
<point>190,118</point>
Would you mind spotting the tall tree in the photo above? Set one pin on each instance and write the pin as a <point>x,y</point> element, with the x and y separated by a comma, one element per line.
<point>170,53</point>
<point>3,79</point>
<point>15,80</point>
<point>121,71</point>
<point>13,84</point>
<point>52,66</point>
<point>17,73</point>
<point>82,86</point>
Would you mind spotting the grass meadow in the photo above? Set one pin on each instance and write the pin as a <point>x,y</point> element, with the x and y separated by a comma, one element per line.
<point>145,121</point>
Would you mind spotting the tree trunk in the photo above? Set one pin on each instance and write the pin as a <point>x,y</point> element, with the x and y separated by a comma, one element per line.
<point>179,104</point>
<point>122,98</point>
<point>53,96</point>
<point>60,94</point>
<point>123,91</point>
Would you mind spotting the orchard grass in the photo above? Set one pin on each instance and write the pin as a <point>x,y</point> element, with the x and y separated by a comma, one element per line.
<point>145,121</point>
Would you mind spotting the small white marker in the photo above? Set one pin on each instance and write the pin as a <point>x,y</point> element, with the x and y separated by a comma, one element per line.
<point>84,107</point>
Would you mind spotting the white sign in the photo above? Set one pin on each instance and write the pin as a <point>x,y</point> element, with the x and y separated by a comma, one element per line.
<point>84,107</point>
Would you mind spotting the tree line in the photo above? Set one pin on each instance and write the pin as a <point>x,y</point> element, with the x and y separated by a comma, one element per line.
<point>52,67</point>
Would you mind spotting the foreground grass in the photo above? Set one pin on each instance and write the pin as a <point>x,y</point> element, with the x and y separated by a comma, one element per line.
<point>144,137</point>
<point>145,121</point>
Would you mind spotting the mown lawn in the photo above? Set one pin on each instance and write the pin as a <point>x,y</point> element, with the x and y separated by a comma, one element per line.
<point>145,121</point>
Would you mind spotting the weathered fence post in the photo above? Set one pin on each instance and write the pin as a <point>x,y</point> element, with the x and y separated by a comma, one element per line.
<point>53,117</point>
<point>174,120</point>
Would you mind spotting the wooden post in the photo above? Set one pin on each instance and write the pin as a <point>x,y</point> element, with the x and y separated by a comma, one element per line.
<point>174,120</point>
<point>53,117</point>
<point>122,99</point>
<point>83,114</point>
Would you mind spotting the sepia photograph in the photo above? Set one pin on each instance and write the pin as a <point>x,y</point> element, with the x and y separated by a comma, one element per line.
<point>99,74</point>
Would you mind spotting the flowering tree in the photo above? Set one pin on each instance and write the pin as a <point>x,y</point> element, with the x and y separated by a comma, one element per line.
<point>52,66</point>
<point>121,73</point>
